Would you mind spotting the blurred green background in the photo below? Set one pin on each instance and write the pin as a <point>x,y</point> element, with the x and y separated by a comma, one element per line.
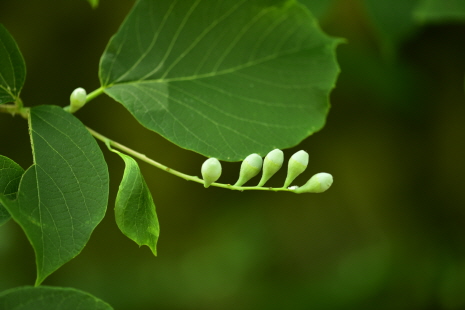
<point>389,234</point>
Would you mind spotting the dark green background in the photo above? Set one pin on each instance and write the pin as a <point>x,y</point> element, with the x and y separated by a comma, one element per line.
<point>389,234</point>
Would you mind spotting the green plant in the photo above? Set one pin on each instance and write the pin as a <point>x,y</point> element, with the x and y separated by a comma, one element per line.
<point>227,79</point>
<point>222,78</point>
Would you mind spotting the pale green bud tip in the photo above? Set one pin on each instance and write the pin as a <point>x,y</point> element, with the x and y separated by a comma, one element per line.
<point>297,164</point>
<point>276,156</point>
<point>301,157</point>
<point>250,167</point>
<point>211,171</point>
<point>272,163</point>
<point>78,99</point>
<point>254,160</point>
<point>318,183</point>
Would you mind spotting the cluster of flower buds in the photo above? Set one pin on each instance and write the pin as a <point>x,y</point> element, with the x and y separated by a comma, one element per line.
<point>252,164</point>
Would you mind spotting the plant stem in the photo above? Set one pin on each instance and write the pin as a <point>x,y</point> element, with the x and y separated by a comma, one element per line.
<point>13,109</point>
<point>8,108</point>
<point>186,177</point>
<point>89,97</point>
<point>95,94</point>
<point>19,103</point>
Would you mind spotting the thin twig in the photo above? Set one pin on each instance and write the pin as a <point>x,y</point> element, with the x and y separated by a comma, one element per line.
<point>177,173</point>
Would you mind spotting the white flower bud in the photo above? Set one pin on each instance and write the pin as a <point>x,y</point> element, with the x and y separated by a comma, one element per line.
<point>211,171</point>
<point>250,167</point>
<point>318,183</point>
<point>272,163</point>
<point>78,99</point>
<point>297,164</point>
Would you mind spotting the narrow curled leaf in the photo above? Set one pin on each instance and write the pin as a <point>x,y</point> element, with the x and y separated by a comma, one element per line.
<point>49,298</point>
<point>135,210</point>
<point>12,67</point>
<point>222,78</point>
<point>10,175</point>
<point>63,195</point>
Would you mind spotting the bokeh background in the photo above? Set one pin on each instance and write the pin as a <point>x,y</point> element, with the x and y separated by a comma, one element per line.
<point>389,234</point>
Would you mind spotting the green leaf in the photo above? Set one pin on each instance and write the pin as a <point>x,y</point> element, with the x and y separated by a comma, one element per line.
<point>93,3</point>
<point>429,11</point>
<point>12,68</point>
<point>49,298</point>
<point>135,210</point>
<point>222,78</point>
<point>10,175</point>
<point>63,196</point>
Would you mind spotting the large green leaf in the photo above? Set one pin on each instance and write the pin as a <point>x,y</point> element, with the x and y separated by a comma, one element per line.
<point>63,196</point>
<point>222,78</point>
<point>10,175</point>
<point>440,11</point>
<point>49,298</point>
<point>134,208</point>
<point>12,67</point>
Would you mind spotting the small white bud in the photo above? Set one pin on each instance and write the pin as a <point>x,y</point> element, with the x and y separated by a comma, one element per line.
<point>211,171</point>
<point>318,183</point>
<point>78,99</point>
<point>297,164</point>
<point>250,167</point>
<point>272,163</point>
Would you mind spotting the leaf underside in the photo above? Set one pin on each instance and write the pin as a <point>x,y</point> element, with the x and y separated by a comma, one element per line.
<point>63,196</point>
<point>134,208</point>
<point>49,298</point>
<point>222,78</point>
<point>12,67</point>
<point>10,175</point>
